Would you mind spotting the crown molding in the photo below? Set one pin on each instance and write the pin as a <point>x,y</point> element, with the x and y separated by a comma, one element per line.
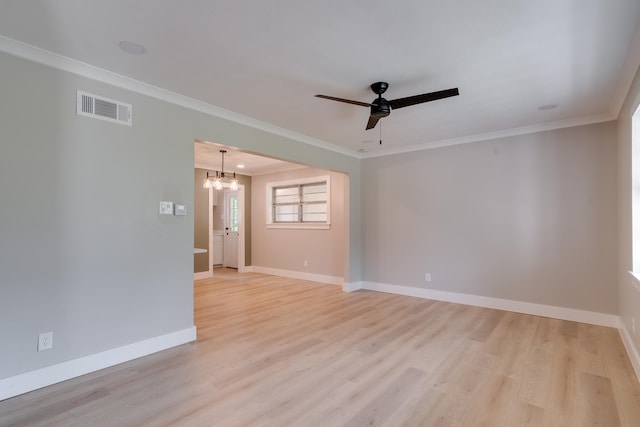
<point>579,121</point>
<point>45,57</point>
<point>628,73</point>
<point>54,60</point>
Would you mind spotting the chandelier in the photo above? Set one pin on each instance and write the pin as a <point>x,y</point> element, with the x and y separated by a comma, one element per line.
<point>216,181</point>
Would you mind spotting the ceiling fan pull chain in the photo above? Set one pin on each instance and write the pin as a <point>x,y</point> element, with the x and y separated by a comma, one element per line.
<point>380,133</point>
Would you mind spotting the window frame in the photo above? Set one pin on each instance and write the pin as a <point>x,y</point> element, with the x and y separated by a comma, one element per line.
<point>635,192</point>
<point>298,183</point>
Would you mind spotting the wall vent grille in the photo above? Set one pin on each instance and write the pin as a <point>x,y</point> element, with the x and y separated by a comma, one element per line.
<point>103,108</point>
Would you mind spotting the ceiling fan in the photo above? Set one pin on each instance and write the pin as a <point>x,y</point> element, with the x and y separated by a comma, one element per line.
<point>380,107</point>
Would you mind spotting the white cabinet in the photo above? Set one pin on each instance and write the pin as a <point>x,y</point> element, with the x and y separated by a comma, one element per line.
<point>218,255</point>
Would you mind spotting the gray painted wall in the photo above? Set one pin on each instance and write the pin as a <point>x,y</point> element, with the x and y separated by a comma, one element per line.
<point>83,251</point>
<point>527,218</point>
<point>629,297</point>
<point>287,249</point>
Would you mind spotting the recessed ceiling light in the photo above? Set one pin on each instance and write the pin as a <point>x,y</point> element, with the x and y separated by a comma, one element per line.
<point>547,107</point>
<point>364,150</point>
<point>132,48</point>
<point>368,141</point>
<point>240,166</point>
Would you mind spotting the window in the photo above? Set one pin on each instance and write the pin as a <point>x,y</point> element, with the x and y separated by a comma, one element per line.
<point>233,214</point>
<point>302,203</point>
<point>635,191</point>
<point>635,198</point>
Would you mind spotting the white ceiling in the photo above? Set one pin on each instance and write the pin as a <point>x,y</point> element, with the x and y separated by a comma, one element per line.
<point>266,59</point>
<point>208,156</point>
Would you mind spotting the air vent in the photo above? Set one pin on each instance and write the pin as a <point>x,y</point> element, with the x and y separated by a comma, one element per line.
<point>103,108</point>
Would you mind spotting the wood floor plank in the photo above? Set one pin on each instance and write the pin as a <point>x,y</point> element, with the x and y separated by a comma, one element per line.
<point>416,409</point>
<point>487,324</point>
<point>561,406</point>
<point>494,406</point>
<point>386,403</point>
<point>285,352</point>
<point>597,401</point>
<point>461,380</point>
<point>536,375</point>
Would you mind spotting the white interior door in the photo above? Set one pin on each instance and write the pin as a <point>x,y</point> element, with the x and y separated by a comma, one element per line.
<point>231,228</point>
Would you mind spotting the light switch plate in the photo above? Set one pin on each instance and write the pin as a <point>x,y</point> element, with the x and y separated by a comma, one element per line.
<point>166,208</point>
<point>180,209</point>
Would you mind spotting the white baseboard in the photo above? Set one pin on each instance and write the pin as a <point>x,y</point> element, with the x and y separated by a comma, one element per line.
<point>351,286</point>
<point>203,275</point>
<point>320,278</point>
<point>632,351</point>
<point>563,313</point>
<point>33,380</point>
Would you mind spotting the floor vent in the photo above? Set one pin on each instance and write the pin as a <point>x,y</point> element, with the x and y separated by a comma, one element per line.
<point>103,108</point>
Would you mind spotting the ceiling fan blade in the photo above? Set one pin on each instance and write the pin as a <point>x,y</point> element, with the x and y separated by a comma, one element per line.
<point>425,97</point>
<point>348,101</point>
<point>373,121</point>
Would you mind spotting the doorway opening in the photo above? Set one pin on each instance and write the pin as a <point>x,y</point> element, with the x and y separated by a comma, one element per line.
<point>306,250</point>
<point>226,230</point>
<point>232,222</point>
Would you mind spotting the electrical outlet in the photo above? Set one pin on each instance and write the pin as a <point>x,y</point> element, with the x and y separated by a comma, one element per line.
<point>427,277</point>
<point>306,263</point>
<point>45,341</point>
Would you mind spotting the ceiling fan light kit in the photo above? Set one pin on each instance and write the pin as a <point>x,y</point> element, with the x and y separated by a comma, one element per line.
<point>381,108</point>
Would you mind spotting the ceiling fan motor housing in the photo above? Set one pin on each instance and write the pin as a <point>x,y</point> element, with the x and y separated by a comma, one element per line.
<point>380,108</point>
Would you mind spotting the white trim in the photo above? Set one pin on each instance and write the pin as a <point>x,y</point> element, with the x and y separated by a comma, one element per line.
<point>628,72</point>
<point>312,277</point>
<point>210,195</point>
<point>245,269</point>
<point>209,273</point>
<point>33,380</point>
<point>563,313</point>
<point>241,227</point>
<point>579,121</point>
<point>351,287</point>
<point>636,281</point>
<point>632,351</point>
<point>635,185</point>
<point>41,56</point>
<point>301,181</point>
<point>203,275</point>
<point>300,226</point>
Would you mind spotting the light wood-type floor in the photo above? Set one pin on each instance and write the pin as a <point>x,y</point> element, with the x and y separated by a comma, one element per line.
<point>284,352</point>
